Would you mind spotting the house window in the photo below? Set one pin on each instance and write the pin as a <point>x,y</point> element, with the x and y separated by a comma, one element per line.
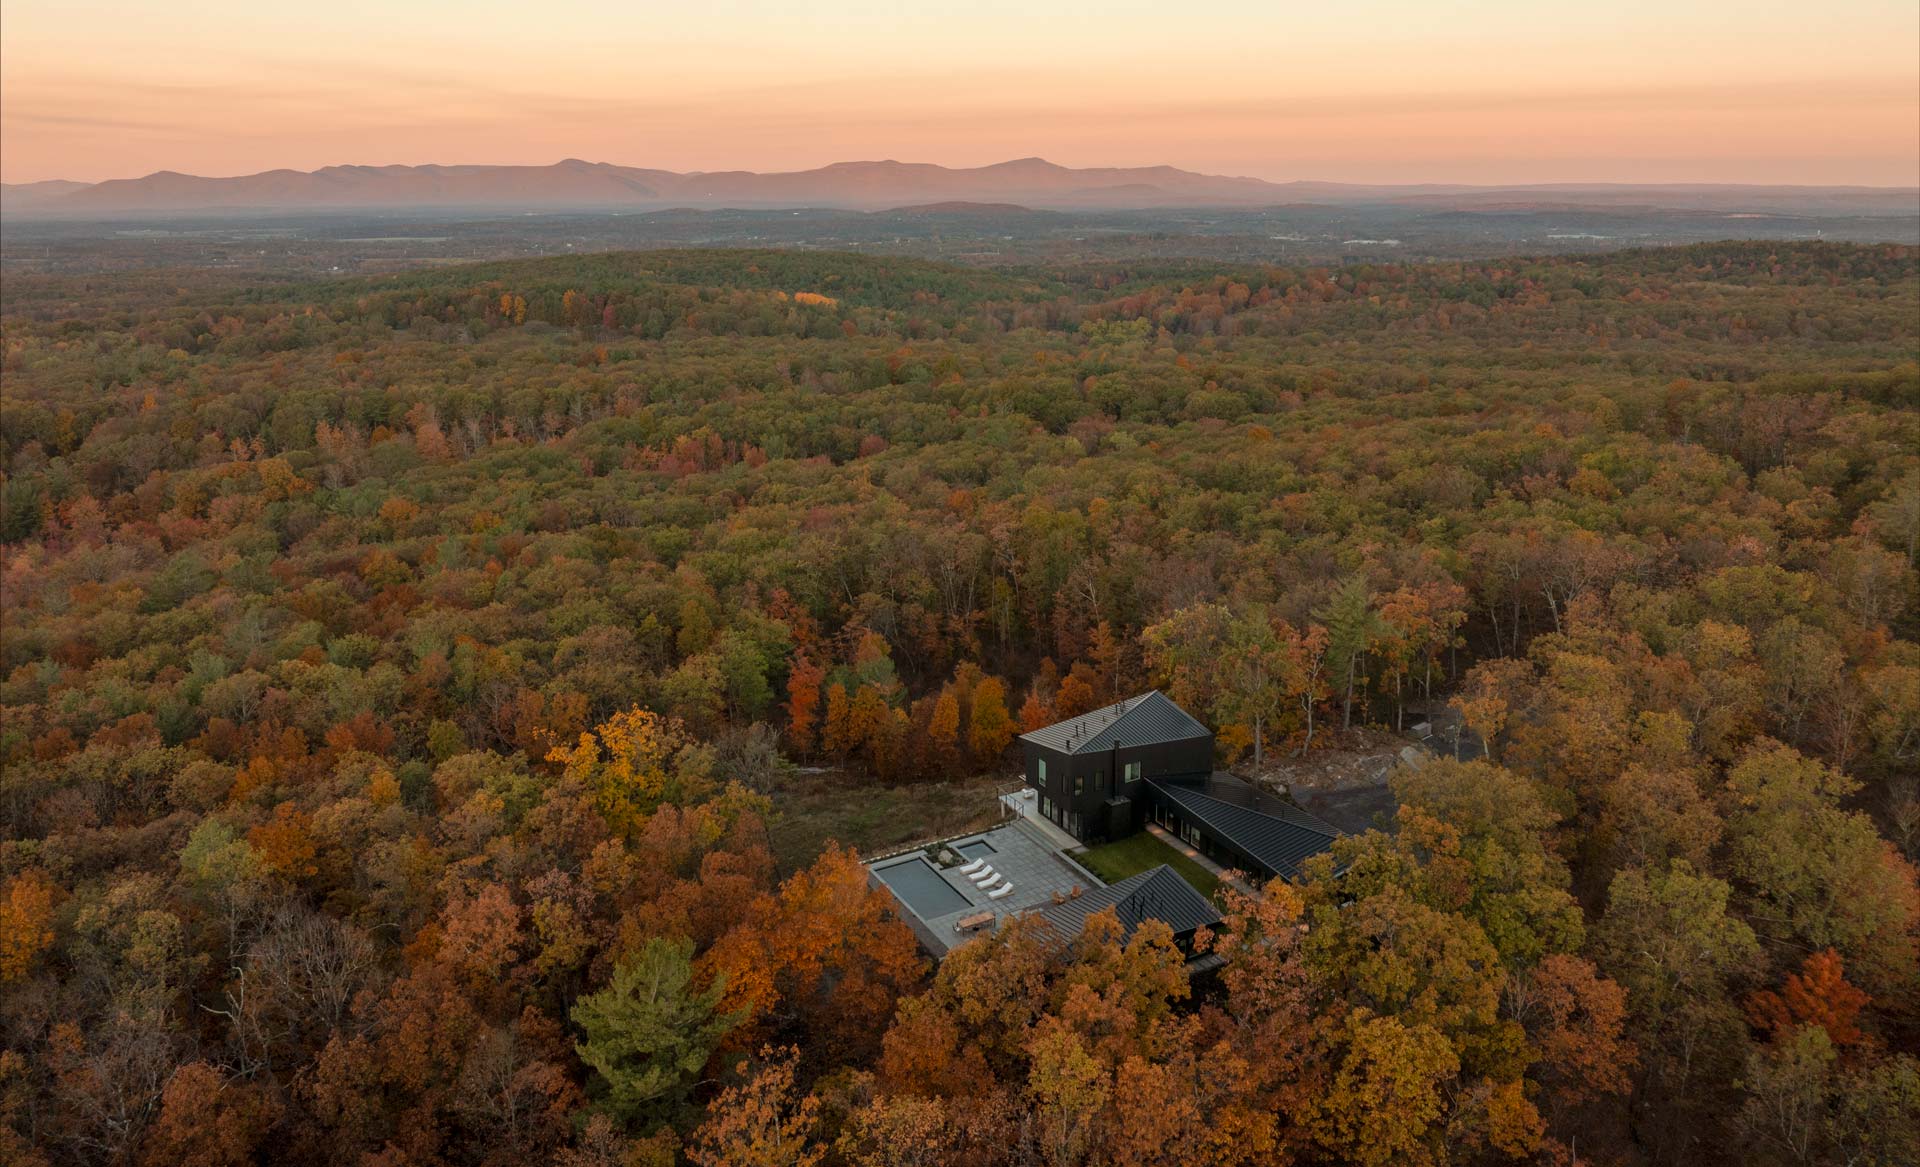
<point>1046,806</point>
<point>1042,763</point>
<point>1133,772</point>
<point>1079,783</point>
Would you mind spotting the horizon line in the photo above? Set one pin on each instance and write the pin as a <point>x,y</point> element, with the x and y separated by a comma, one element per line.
<point>1409,182</point>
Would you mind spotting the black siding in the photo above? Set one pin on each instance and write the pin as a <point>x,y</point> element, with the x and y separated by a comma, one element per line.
<point>1100,776</point>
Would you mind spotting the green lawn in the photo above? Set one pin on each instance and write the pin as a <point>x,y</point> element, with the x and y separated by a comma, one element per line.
<point>1113,862</point>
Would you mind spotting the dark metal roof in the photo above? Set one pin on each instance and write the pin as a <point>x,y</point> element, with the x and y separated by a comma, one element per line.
<point>1145,720</point>
<point>1279,844</point>
<point>1155,894</point>
<point>1244,794</point>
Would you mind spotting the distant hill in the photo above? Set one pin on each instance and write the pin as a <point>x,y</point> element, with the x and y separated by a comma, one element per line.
<point>26,195</point>
<point>1024,183</point>
<point>574,183</point>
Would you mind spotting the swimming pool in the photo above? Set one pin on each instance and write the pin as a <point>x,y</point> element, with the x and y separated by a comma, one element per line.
<point>978,849</point>
<point>920,887</point>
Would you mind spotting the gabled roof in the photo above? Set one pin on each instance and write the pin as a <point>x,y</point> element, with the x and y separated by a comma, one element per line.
<point>1155,894</point>
<point>1145,720</point>
<point>1280,844</point>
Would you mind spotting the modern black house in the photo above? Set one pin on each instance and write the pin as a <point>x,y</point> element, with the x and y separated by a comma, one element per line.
<point>1091,770</point>
<point>1106,774</point>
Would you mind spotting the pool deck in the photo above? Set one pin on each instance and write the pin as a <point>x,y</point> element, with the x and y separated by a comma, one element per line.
<point>1025,802</point>
<point>1024,857</point>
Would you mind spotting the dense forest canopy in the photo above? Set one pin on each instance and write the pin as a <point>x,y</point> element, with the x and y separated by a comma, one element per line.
<point>400,676</point>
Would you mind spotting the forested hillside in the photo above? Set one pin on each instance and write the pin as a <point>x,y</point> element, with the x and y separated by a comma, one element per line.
<point>399,678</point>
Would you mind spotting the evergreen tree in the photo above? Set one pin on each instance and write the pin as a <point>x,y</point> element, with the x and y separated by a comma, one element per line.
<point>1352,627</point>
<point>648,1033</point>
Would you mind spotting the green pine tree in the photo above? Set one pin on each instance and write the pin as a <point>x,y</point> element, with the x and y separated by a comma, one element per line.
<point>1352,627</point>
<point>648,1034</point>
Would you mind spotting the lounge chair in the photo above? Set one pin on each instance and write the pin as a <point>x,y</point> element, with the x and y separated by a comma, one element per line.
<point>1003,889</point>
<point>989,881</point>
<point>970,868</point>
<point>983,874</point>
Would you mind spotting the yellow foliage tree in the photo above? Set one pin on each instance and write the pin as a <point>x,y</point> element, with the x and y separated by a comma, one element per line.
<point>625,763</point>
<point>991,726</point>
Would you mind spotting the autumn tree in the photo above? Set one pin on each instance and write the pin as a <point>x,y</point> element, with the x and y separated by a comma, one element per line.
<point>1671,942</point>
<point>1245,669</point>
<point>1076,695</point>
<point>990,728</point>
<point>1483,836</point>
<point>1035,713</point>
<point>943,732</point>
<point>1816,995</point>
<point>836,731</point>
<point>1387,1100</point>
<point>208,1120</point>
<point>26,920</point>
<point>823,953</point>
<point>761,1122</point>
<point>1652,814</point>
<point>1492,696</point>
<point>803,702</point>
<point>1805,1104</point>
<point>627,764</point>
<point>1820,875</point>
<point>1576,1019</point>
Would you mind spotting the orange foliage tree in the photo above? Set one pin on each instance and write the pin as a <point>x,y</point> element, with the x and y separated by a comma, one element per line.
<point>1816,995</point>
<point>26,923</point>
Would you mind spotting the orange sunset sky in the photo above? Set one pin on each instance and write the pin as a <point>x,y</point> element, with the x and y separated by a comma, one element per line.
<point>1364,90</point>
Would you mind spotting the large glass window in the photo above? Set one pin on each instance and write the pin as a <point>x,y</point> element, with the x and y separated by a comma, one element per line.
<point>1133,772</point>
<point>1042,772</point>
<point>1079,783</point>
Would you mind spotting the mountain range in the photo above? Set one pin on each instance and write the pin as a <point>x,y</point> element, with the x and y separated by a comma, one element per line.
<point>1029,182</point>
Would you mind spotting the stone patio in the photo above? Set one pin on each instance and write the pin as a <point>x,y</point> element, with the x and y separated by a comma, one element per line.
<point>1024,857</point>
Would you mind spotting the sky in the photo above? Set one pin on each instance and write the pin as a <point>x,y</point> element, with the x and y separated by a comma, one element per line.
<point>1474,91</point>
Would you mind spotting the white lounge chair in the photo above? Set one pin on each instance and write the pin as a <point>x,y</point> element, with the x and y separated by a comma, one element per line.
<point>1003,889</point>
<point>983,873</point>
<point>989,881</point>
<point>970,868</point>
